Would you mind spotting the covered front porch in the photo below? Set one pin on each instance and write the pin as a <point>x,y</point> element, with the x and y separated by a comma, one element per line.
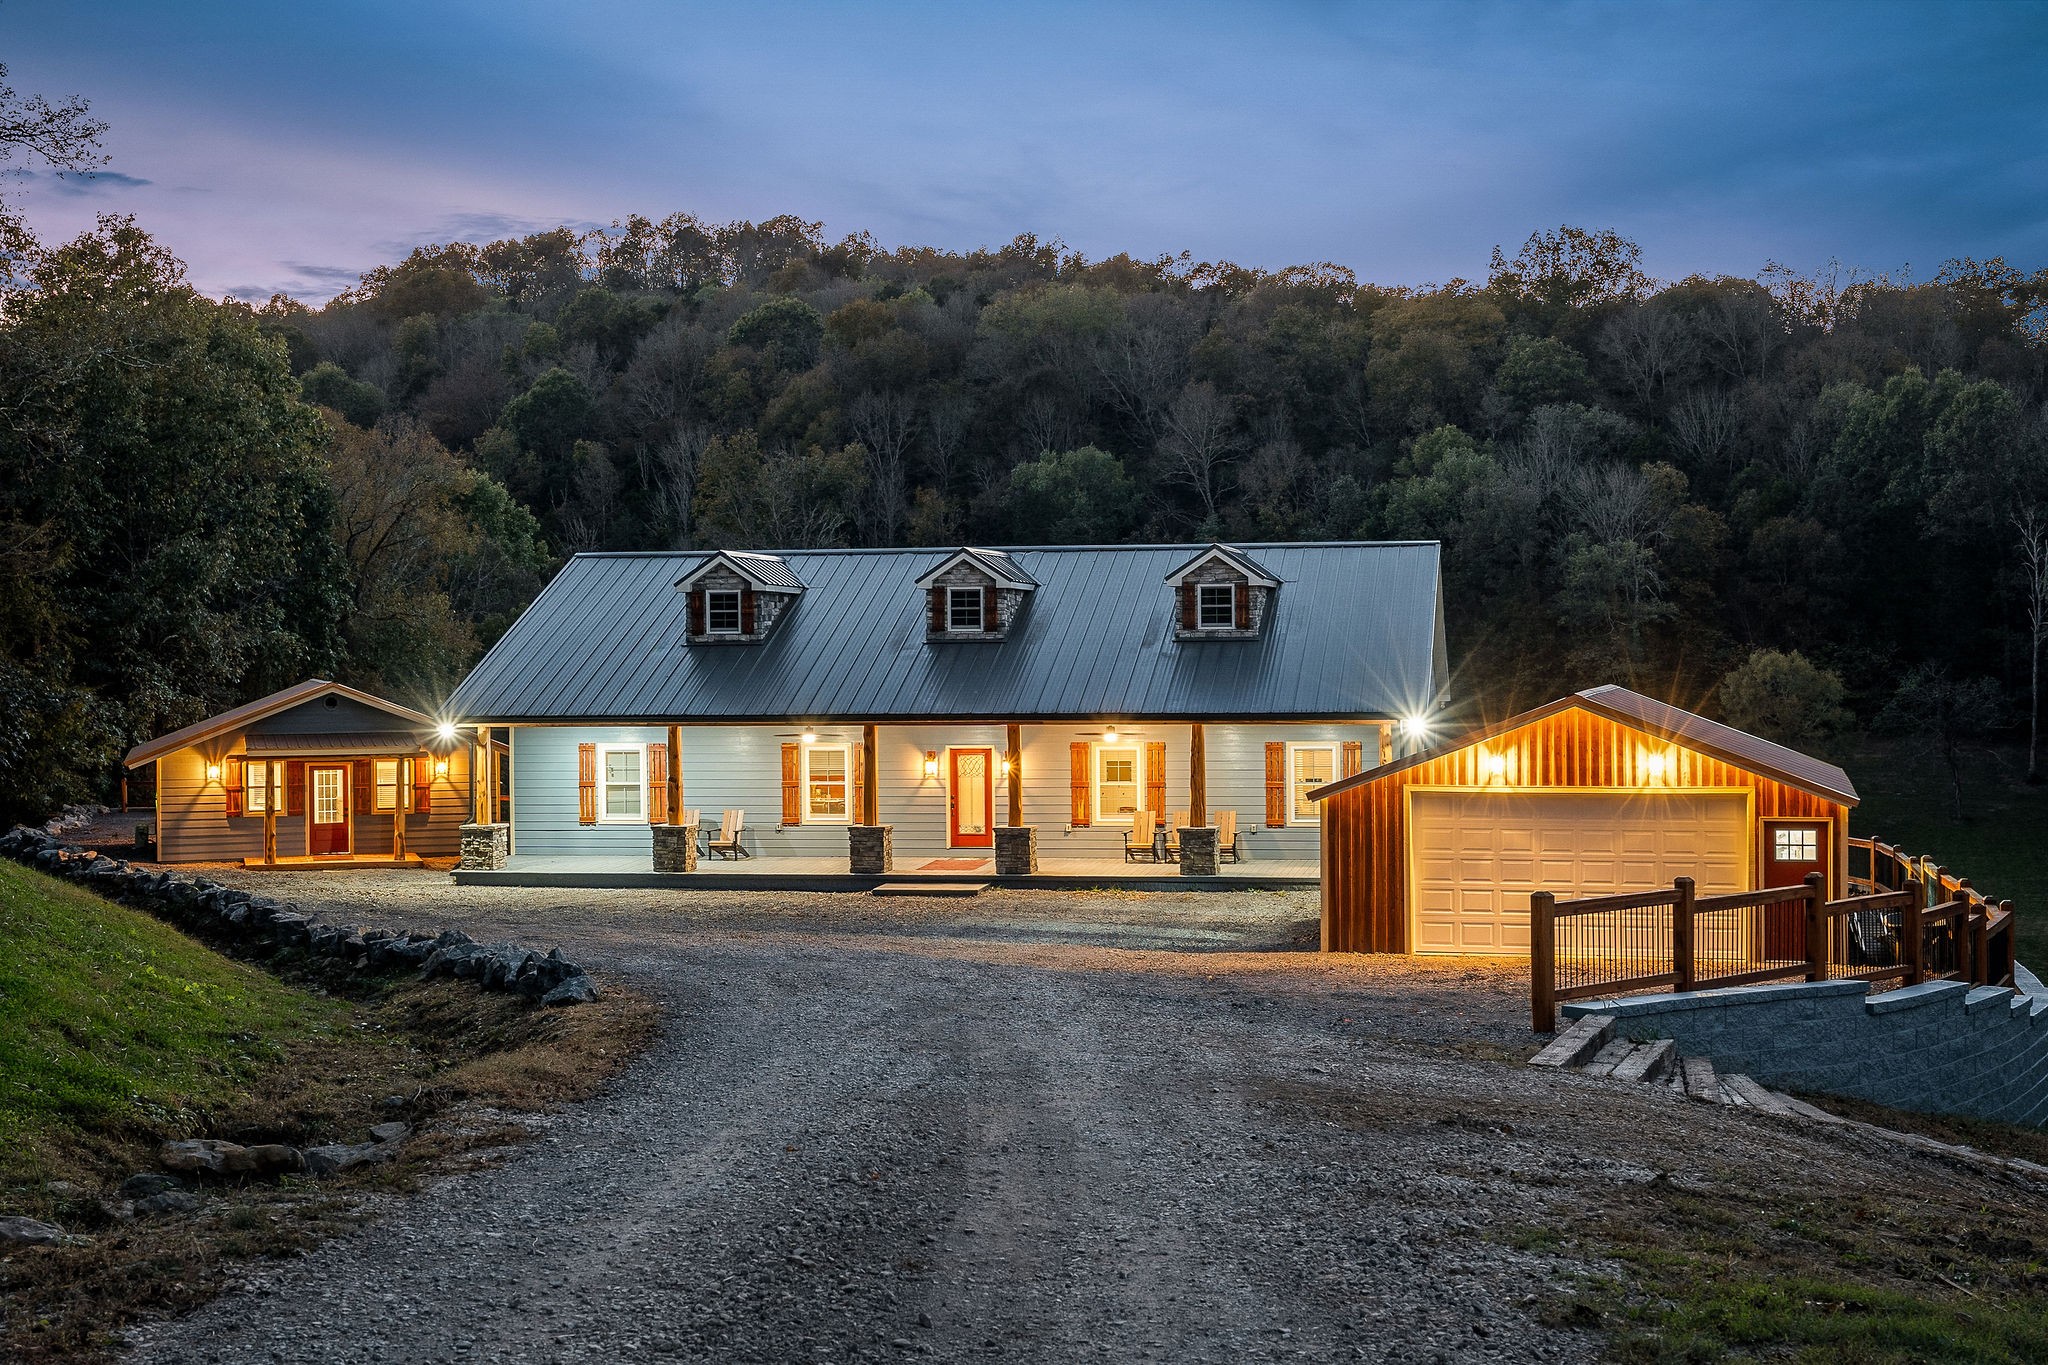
<point>833,874</point>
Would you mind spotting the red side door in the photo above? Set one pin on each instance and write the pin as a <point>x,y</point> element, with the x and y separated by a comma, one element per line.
<point>326,810</point>
<point>1792,849</point>
<point>971,812</point>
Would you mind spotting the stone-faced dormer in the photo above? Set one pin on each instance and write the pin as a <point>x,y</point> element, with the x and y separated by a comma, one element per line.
<point>974,595</point>
<point>736,597</point>
<point>1221,594</point>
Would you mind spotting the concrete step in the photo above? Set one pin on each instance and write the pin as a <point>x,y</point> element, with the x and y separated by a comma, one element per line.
<point>1577,1043</point>
<point>930,889</point>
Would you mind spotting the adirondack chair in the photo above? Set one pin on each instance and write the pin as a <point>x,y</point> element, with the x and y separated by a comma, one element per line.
<point>727,845</point>
<point>1227,850</point>
<point>692,818</point>
<point>1173,824</point>
<point>1139,842</point>
<point>1873,939</point>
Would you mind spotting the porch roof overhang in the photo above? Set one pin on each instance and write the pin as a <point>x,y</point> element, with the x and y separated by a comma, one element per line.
<point>393,743</point>
<point>227,722</point>
<point>1093,718</point>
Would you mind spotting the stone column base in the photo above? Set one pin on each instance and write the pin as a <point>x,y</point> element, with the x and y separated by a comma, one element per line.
<point>1198,851</point>
<point>675,848</point>
<point>871,849</point>
<point>485,847</point>
<point>1016,850</point>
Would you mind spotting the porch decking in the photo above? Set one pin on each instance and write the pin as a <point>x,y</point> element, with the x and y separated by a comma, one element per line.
<point>830,874</point>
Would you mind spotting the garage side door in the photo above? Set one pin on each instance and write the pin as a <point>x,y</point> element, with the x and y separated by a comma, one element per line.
<point>1476,857</point>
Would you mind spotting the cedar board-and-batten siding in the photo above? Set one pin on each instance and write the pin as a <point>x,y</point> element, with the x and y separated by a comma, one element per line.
<point>1365,829</point>
<point>740,766</point>
<point>193,826</point>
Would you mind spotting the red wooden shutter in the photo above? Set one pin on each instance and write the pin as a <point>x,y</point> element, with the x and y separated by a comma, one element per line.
<point>991,613</point>
<point>1155,777</point>
<point>295,787</point>
<point>423,784</point>
<point>938,621</point>
<point>1354,757</point>
<point>792,786</point>
<point>1078,751</point>
<point>363,776</point>
<point>1241,597</point>
<point>657,784</point>
<point>859,794</point>
<point>696,611</point>
<point>586,784</point>
<point>1187,606</point>
<point>234,780</point>
<point>746,611</point>
<point>1276,786</point>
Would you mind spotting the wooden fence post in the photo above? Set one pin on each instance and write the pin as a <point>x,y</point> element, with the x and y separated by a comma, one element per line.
<point>1816,929</point>
<point>1682,935</point>
<point>1913,939</point>
<point>1543,961</point>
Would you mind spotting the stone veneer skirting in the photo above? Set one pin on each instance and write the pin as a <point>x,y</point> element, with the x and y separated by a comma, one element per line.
<point>871,849</point>
<point>486,847</point>
<point>1016,850</point>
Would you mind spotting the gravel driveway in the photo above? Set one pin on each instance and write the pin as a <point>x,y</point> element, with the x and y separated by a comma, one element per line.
<point>877,1129</point>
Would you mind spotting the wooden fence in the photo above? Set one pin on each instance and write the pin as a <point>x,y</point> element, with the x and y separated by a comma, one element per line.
<point>1906,921</point>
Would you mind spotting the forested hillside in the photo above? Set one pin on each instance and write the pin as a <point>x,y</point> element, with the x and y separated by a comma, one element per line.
<point>1634,481</point>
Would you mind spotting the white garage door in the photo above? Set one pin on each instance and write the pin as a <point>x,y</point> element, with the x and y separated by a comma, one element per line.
<point>1476,857</point>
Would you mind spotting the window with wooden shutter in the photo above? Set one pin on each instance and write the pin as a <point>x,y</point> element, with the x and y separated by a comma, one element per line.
<point>696,611</point>
<point>792,786</point>
<point>586,784</point>
<point>1354,757</point>
<point>295,787</point>
<point>938,611</point>
<point>423,784</point>
<point>1155,777</point>
<point>234,777</point>
<point>1078,794</point>
<point>1276,786</point>
<point>746,611</point>
<point>657,784</point>
<point>1243,593</point>
<point>1187,606</point>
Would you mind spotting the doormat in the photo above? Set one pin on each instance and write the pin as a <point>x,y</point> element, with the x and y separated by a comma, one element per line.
<point>954,865</point>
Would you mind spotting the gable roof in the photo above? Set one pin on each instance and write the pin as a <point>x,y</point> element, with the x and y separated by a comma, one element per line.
<point>250,712</point>
<point>997,564</point>
<point>770,572</point>
<point>1359,637</point>
<point>1231,555</point>
<point>1659,718</point>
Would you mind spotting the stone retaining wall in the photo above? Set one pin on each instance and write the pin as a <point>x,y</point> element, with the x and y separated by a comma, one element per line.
<point>1944,1047</point>
<point>261,927</point>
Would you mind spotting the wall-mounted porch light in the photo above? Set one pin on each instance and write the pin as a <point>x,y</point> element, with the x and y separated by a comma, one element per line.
<point>446,730</point>
<point>1414,727</point>
<point>440,767</point>
<point>931,763</point>
<point>1006,767</point>
<point>1652,767</point>
<point>1497,766</point>
<point>213,772</point>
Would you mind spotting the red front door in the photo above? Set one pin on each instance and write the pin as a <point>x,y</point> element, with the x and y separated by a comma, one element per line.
<point>326,810</point>
<point>1792,849</point>
<point>971,813</point>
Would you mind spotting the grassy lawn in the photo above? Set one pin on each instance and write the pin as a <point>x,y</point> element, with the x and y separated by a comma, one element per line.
<point>118,1032</point>
<point>2001,844</point>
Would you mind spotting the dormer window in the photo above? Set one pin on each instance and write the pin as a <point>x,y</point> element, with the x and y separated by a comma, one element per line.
<point>964,610</point>
<point>1216,606</point>
<point>722,611</point>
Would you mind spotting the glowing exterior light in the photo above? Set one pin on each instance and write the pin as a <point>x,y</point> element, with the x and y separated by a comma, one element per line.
<point>1496,765</point>
<point>1414,727</point>
<point>446,730</point>
<point>1006,767</point>
<point>1653,767</point>
<point>810,736</point>
<point>931,763</point>
<point>440,767</point>
<point>213,772</point>
<point>1109,734</point>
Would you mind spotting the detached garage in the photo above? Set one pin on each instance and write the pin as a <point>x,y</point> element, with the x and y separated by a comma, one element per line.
<point>1596,793</point>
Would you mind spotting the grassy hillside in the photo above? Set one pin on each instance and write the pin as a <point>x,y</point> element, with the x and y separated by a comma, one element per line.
<point>2001,844</point>
<point>111,1020</point>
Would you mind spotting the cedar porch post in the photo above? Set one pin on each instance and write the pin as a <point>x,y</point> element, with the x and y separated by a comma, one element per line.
<point>400,799</point>
<point>871,774</point>
<point>1386,743</point>
<point>271,791</point>
<point>1198,777</point>
<point>675,774</point>
<point>1013,755</point>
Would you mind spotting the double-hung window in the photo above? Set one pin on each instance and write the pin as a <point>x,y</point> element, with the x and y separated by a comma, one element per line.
<point>1117,779</point>
<point>826,784</point>
<point>1216,606</point>
<point>963,610</point>
<point>622,782</point>
<point>722,611</point>
<point>256,785</point>
<point>1309,766</point>
<point>385,772</point>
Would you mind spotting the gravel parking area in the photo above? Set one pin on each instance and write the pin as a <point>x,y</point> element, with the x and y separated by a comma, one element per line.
<point>1031,1126</point>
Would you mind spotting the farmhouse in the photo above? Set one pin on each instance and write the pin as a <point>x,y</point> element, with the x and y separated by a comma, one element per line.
<point>319,773</point>
<point>1126,710</point>
<point>1601,792</point>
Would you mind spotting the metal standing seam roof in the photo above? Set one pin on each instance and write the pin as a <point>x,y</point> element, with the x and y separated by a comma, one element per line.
<point>1618,703</point>
<point>770,571</point>
<point>1354,632</point>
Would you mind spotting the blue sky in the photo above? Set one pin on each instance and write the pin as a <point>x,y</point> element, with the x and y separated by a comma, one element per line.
<point>292,146</point>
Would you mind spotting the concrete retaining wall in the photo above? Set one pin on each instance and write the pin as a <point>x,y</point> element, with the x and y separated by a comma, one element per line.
<point>1940,1048</point>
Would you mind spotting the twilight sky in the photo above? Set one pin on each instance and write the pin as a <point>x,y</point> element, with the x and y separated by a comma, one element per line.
<point>291,146</point>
